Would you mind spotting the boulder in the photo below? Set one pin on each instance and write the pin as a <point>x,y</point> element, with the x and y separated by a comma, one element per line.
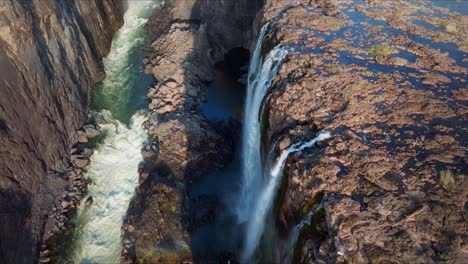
<point>87,152</point>
<point>82,137</point>
<point>192,92</point>
<point>66,204</point>
<point>89,201</point>
<point>81,162</point>
<point>91,131</point>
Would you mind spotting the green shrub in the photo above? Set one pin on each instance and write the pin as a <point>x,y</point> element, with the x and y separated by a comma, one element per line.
<point>382,51</point>
<point>446,179</point>
<point>163,133</point>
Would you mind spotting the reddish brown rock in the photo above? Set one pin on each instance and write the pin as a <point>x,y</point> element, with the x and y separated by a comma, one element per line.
<point>395,167</point>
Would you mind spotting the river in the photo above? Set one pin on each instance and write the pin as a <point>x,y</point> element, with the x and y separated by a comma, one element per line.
<point>113,170</point>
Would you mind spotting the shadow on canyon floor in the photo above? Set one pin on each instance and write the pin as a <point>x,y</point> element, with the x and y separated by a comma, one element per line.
<point>15,208</point>
<point>214,232</point>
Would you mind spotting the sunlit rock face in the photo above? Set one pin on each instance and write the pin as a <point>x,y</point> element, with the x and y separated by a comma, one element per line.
<point>388,80</point>
<point>50,59</point>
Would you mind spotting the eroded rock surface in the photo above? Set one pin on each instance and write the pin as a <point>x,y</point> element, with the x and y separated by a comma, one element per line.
<point>189,37</point>
<point>50,59</point>
<point>388,79</point>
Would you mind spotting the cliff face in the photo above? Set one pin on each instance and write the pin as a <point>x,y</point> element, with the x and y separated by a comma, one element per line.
<point>50,59</point>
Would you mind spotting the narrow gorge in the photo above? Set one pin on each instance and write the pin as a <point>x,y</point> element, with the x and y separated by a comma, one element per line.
<point>222,131</point>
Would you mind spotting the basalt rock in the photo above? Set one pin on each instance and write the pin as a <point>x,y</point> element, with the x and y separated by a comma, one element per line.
<point>188,38</point>
<point>50,59</point>
<point>395,166</point>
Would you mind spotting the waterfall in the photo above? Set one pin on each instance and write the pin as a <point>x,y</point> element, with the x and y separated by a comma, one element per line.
<point>260,78</point>
<point>291,242</point>
<point>266,195</point>
<point>113,170</point>
<point>278,168</point>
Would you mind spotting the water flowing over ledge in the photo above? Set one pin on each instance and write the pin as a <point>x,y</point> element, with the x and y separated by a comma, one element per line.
<point>267,194</point>
<point>294,235</point>
<point>260,77</point>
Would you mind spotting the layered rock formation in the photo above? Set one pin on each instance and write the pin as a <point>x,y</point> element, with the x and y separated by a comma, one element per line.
<point>189,37</point>
<point>388,79</point>
<point>50,59</point>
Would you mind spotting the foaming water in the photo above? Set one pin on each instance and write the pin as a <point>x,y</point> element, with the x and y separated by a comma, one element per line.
<point>278,168</point>
<point>260,77</point>
<point>113,170</point>
<point>114,175</point>
<point>267,194</point>
<point>123,90</point>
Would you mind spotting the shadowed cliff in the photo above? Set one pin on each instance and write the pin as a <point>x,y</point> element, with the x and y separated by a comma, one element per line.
<point>50,59</point>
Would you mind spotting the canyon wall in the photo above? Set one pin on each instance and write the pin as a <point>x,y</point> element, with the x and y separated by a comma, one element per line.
<point>50,58</point>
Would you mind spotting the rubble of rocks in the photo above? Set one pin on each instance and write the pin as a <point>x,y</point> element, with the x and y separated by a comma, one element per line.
<point>58,221</point>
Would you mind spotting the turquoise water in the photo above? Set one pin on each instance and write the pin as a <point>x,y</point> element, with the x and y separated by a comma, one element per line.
<point>113,170</point>
<point>123,91</point>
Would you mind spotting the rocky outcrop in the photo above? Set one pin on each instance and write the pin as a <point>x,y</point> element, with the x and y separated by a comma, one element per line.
<point>50,59</point>
<point>189,37</point>
<point>387,78</point>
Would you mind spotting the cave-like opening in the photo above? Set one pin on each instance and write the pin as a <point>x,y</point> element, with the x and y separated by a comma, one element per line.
<point>224,98</point>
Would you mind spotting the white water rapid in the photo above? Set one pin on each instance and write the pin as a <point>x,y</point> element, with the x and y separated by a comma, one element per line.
<point>266,196</point>
<point>114,174</point>
<point>113,169</point>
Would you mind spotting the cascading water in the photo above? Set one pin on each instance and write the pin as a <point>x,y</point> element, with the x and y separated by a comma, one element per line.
<point>267,194</point>
<point>291,242</point>
<point>261,75</point>
<point>260,78</point>
<point>278,168</point>
<point>114,165</point>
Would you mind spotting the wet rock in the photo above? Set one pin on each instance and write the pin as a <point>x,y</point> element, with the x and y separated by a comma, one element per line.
<point>82,137</point>
<point>81,162</point>
<point>192,92</point>
<point>87,152</point>
<point>45,260</point>
<point>143,177</point>
<point>89,201</point>
<point>148,153</point>
<point>66,204</point>
<point>91,131</point>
